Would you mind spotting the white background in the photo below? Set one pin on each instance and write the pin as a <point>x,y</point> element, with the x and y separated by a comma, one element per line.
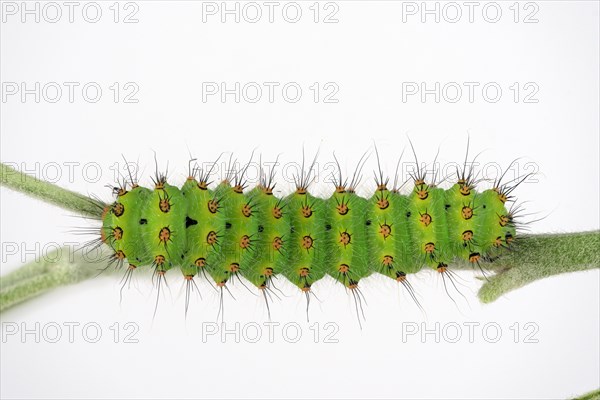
<point>371,53</point>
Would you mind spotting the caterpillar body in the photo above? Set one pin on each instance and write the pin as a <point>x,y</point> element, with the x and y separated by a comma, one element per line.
<point>227,232</point>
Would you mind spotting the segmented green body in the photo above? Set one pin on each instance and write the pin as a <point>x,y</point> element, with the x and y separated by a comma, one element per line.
<point>226,233</point>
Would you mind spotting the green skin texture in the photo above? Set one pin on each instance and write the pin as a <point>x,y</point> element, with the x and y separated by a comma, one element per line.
<point>302,237</point>
<point>537,256</point>
<point>346,211</point>
<point>125,213</point>
<point>307,218</point>
<point>267,262</point>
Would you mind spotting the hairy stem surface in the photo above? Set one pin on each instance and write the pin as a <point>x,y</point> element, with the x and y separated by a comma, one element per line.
<point>49,192</point>
<point>61,267</point>
<point>540,256</point>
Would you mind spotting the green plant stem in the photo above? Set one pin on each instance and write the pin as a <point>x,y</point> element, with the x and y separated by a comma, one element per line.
<point>540,256</point>
<point>49,192</point>
<point>61,267</point>
<point>594,395</point>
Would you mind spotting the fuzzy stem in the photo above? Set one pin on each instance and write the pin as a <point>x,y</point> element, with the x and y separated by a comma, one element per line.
<point>594,395</point>
<point>540,256</point>
<point>61,267</point>
<point>49,192</point>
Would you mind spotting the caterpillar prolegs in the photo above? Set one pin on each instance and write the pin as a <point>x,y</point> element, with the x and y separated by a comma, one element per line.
<point>228,232</point>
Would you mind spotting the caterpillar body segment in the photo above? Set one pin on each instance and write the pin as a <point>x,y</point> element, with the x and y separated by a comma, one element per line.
<point>164,230</point>
<point>202,227</point>
<point>428,226</point>
<point>273,238</point>
<point>389,236</point>
<point>495,227</point>
<point>462,210</point>
<point>122,227</point>
<point>309,240</point>
<point>236,231</point>
<point>348,258</point>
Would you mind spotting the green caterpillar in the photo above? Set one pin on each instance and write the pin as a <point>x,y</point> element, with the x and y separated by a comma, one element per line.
<point>228,232</point>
